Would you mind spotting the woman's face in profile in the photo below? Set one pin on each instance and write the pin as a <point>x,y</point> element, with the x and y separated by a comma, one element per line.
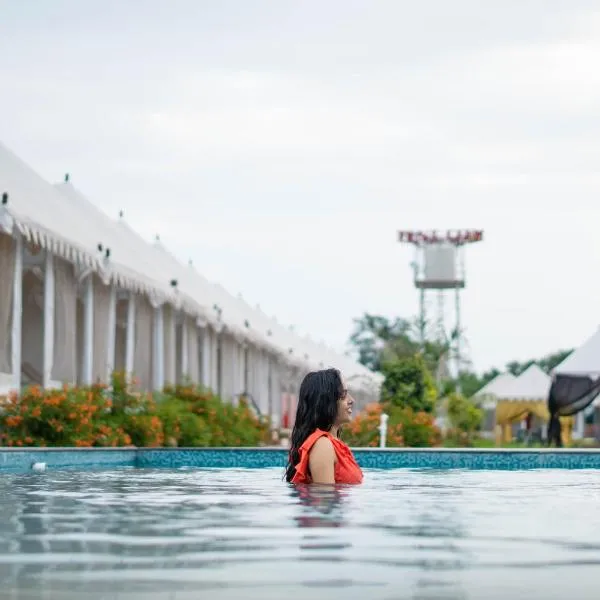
<point>345,404</point>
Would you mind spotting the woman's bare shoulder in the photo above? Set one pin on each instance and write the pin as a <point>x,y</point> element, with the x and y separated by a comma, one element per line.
<point>323,448</point>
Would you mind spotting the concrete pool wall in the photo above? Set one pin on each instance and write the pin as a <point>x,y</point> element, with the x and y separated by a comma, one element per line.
<point>23,459</point>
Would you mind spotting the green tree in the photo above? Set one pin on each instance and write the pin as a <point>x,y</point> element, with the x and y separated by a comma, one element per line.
<point>547,363</point>
<point>409,384</point>
<point>516,368</point>
<point>463,414</point>
<point>379,339</point>
<point>382,342</point>
<point>550,361</point>
<point>376,338</point>
<point>470,383</point>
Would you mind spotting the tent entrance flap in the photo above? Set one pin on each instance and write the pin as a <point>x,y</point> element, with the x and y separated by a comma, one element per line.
<point>570,394</point>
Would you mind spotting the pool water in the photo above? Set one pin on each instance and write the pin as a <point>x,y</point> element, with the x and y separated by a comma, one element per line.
<point>244,534</point>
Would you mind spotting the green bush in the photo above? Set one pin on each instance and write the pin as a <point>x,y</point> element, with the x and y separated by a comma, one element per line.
<point>409,384</point>
<point>418,428</point>
<point>405,428</point>
<point>115,416</point>
<point>181,426</point>
<point>463,414</point>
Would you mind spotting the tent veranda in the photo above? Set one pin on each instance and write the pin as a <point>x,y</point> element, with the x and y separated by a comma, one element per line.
<point>527,394</point>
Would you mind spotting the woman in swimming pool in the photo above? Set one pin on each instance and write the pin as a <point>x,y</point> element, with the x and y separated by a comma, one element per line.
<point>317,455</point>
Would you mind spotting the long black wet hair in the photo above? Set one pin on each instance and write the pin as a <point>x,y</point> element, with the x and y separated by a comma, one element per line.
<point>317,408</point>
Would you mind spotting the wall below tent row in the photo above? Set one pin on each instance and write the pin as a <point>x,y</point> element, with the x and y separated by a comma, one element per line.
<point>60,324</point>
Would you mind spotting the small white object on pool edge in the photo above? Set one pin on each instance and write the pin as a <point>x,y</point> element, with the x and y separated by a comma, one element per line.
<point>39,467</point>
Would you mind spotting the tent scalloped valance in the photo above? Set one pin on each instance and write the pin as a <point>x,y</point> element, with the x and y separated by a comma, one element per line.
<point>118,276</point>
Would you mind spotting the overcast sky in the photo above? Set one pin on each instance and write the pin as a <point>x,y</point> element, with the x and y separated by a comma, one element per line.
<point>281,144</point>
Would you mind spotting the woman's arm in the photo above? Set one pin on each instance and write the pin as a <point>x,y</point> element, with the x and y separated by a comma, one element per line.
<point>321,461</point>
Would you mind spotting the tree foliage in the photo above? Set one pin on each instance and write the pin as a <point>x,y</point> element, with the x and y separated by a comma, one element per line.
<point>546,363</point>
<point>409,384</point>
<point>381,341</point>
<point>463,414</point>
<point>378,339</point>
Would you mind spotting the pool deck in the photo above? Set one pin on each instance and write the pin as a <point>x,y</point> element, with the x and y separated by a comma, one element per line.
<point>508,459</point>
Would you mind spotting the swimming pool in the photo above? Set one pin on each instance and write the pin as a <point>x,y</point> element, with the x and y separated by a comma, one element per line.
<point>243,533</point>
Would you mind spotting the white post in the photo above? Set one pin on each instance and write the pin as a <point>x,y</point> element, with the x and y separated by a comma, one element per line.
<point>48,319</point>
<point>269,385</point>
<point>241,350</point>
<point>170,345</point>
<point>275,394</point>
<point>214,362</point>
<point>264,386</point>
<point>248,375</point>
<point>222,386</point>
<point>159,350</point>
<point>112,333</point>
<point>206,357</point>
<point>185,359</point>
<point>88,332</point>
<point>228,368</point>
<point>17,313</point>
<point>258,379</point>
<point>383,430</point>
<point>130,337</point>
<point>234,369</point>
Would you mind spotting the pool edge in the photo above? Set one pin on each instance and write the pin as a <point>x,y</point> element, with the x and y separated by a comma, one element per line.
<point>22,459</point>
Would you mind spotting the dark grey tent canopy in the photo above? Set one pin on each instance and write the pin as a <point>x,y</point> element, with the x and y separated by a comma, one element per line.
<point>575,385</point>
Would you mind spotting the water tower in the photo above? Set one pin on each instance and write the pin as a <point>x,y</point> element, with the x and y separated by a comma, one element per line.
<point>439,269</point>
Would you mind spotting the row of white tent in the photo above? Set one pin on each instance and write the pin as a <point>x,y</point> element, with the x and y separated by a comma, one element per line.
<point>64,221</point>
<point>534,383</point>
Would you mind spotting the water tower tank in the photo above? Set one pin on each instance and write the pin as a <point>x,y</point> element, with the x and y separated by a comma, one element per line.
<point>440,267</point>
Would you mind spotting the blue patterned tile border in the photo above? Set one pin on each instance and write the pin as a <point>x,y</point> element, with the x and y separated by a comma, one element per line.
<point>22,459</point>
<point>211,458</point>
<point>487,459</point>
<point>405,458</point>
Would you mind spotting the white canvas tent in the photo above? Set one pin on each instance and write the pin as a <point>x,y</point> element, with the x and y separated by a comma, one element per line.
<point>527,394</point>
<point>110,294</point>
<point>40,214</point>
<point>585,360</point>
<point>493,389</point>
<point>531,385</point>
<point>131,259</point>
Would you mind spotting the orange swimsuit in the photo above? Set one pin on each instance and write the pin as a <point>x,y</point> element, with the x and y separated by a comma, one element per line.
<point>346,469</point>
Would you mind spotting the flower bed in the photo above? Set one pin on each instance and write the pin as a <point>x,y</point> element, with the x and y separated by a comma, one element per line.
<point>405,428</point>
<point>102,416</point>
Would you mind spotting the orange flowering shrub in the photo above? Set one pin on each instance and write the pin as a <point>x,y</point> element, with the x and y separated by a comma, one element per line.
<point>67,417</point>
<point>225,424</point>
<point>419,428</point>
<point>116,416</point>
<point>145,430</point>
<point>405,428</point>
<point>363,430</point>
